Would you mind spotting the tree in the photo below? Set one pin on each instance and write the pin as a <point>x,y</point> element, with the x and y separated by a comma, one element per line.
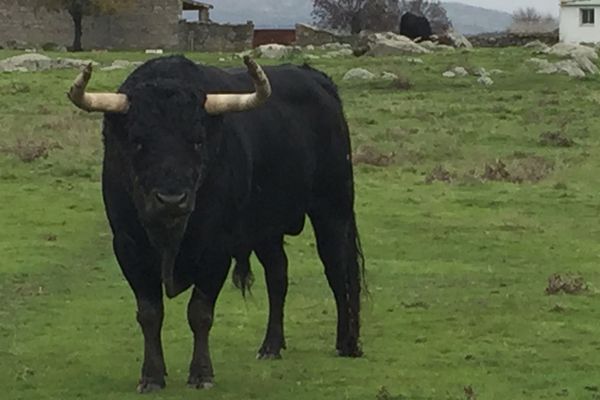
<point>432,10</point>
<point>528,14</point>
<point>530,20</point>
<point>77,9</point>
<point>357,15</point>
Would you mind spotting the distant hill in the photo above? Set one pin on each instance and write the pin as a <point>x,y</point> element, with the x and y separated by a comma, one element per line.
<point>286,13</point>
<point>471,20</point>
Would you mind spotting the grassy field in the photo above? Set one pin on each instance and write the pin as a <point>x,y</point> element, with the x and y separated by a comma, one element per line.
<point>458,255</point>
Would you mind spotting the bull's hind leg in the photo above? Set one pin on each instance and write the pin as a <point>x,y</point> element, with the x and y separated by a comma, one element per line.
<point>200,317</point>
<point>337,245</point>
<point>144,279</point>
<point>272,256</point>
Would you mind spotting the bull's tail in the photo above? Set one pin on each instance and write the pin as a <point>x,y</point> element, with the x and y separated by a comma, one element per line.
<point>355,286</point>
<point>243,278</point>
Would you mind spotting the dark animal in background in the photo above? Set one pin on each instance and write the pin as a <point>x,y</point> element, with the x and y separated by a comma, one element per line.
<point>195,175</point>
<point>415,26</point>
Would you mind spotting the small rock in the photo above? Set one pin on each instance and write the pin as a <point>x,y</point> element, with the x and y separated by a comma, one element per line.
<point>460,71</point>
<point>358,74</point>
<point>537,46</point>
<point>311,57</point>
<point>485,80</point>
<point>480,71</point>
<point>121,63</point>
<point>310,47</point>
<point>449,74</point>
<point>388,76</point>
<point>112,68</point>
<point>341,53</point>
<point>496,72</point>
<point>414,60</point>
<point>336,46</point>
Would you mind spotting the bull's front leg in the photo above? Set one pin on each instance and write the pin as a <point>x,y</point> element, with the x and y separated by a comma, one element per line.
<point>143,276</point>
<point>150,317</point>
<point>200,317</point>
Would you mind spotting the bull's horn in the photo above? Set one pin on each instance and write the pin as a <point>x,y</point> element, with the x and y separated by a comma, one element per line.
<point>96,102</point>
<point>224,103</point>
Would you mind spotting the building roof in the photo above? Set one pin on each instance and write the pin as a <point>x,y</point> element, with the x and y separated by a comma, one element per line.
<point>196,5</point>
<point>579,3</point>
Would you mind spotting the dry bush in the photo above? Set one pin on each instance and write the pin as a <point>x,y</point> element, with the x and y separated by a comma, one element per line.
<point>369,155</point>
<point>439,174</point>
<point>569,284</point>
<point>524,168</point>
<point>29,150</point>
<point>556,139</point>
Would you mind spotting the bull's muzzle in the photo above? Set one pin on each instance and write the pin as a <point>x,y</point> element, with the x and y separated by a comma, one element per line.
<point>171,203</point>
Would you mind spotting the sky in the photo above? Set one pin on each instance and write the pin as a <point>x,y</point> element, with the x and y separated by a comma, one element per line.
<point>547,6</point>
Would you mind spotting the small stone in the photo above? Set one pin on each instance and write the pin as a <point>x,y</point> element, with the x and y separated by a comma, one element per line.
<point>388,76</point>
<point>461,71</point>
<point>358,74</point>
<point>449,74</point>
<point>485,80</point>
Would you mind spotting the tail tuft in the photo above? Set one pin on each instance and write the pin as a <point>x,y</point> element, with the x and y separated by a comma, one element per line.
<point>243,278</point>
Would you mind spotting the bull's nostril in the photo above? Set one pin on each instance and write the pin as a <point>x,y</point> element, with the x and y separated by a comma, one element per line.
<point>171,199</point>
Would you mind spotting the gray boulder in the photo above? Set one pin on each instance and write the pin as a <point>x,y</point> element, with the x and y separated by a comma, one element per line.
<point>26,62</point>
<point>390,44</point>
<point>273,51</point>
<point>537,46</point>
<point>572,50</point>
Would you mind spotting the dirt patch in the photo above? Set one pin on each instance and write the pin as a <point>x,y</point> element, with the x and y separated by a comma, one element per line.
<point>384,394</point>
<point>401,83</point>
<point>470,393</point>
<point>566,283</point>
<point>556,139</point>
<point>416,304</point>
<point>439,174</point>
<point>29,150</point>
<point>369,155</point>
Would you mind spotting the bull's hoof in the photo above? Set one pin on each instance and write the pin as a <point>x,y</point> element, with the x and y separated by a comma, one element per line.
<point>200,383</point>
<point>266,355</point>
<point>271,350</point>
<point>149,385</point>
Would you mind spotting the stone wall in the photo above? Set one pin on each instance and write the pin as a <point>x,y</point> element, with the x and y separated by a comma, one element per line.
<point>306,34</point>
<point>150,24</point>
<point>202,36</point>
<point>512,39</point>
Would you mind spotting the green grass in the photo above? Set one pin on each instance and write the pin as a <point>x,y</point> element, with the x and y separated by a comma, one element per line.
<point>457,270</point>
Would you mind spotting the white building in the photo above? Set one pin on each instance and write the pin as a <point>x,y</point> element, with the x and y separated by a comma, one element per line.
<point>580,21</point>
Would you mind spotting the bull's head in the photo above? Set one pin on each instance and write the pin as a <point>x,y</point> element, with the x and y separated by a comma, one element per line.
<point>165,134</point>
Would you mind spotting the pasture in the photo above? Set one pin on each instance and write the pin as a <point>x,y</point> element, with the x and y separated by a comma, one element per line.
<point>462,225</point>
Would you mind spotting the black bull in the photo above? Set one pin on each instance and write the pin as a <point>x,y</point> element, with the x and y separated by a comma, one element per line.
<point>415,26</point>
<point>186,191</point>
